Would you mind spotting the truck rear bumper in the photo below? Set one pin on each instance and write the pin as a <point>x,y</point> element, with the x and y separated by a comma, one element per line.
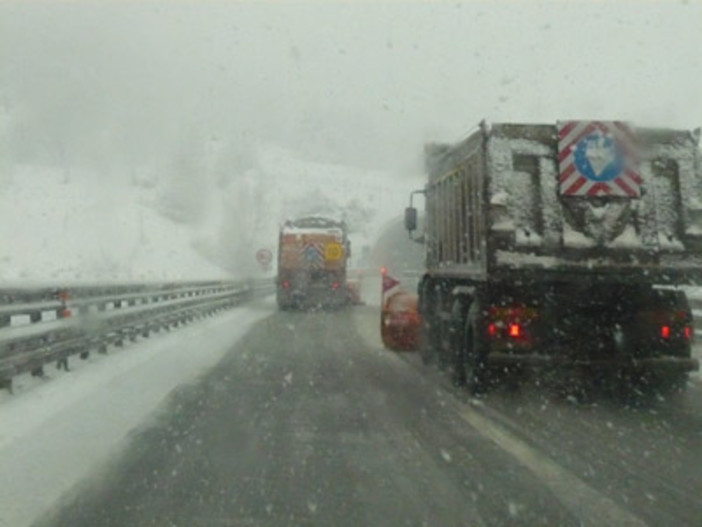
<point>672,364</point>
<point>314,296</point>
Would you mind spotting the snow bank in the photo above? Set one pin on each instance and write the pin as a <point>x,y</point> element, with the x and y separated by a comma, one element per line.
<point>98,403</point>
<point>75,226</point>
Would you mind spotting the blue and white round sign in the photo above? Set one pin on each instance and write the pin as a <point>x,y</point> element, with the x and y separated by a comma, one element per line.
<point>598,157</point>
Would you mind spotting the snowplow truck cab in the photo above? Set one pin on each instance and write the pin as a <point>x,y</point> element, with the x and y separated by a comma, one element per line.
<point>312,261</point>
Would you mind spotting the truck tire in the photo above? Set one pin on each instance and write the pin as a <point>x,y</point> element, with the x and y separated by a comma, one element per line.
<point>457,357</point>
<point>443,332</point>
<point>474,372</point>
<point>428,338</point>
<point>441,322</point>
<point>426,352</point>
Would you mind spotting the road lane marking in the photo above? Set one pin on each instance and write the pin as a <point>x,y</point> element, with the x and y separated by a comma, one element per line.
<point>585,503</point>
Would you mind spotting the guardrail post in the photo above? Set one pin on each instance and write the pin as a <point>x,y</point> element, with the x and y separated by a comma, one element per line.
<point>64,296</point>
<point>62,363</point>
<point>6,384</point>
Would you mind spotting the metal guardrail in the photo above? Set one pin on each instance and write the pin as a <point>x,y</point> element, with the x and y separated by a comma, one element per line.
<point>36,302</point>
<point>92,317</point>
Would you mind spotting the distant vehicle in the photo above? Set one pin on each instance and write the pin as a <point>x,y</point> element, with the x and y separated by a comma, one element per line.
<point>545,246</point>
<point>312,261</point>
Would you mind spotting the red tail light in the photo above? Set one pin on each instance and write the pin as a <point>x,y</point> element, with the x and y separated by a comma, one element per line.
<point>665,332</point>
<point>492,330</point>
<point>515,331</point>
<point>688,332</point>
<point>286,285</point>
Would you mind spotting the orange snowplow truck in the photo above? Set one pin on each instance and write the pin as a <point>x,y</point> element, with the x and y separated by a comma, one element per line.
<point>312,257</point>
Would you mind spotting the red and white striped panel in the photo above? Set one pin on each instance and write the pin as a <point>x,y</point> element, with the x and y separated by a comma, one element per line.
<point>597,158</point>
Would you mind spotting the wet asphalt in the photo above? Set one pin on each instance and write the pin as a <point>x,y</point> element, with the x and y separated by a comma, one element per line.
<point>309,421</point>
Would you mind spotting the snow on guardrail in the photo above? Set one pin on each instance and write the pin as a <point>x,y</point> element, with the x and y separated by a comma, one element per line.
<point>91,317</point>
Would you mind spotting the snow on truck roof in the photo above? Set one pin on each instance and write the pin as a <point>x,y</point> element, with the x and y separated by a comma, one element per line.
<point>548,133</point>
<point>314,223</point>
<point>543,140</point>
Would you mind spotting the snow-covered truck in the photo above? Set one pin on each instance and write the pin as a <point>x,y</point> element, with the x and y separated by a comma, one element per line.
<point>552,247</point>
<point>312,260</point>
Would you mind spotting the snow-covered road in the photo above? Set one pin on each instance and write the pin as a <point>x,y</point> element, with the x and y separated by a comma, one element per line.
<point>308,421</point>
<point>304,418</point>
<point>56,432</point>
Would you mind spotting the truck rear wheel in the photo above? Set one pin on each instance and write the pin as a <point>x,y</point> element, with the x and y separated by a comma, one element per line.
<point>444,337</point>
<point>456,352</point>
<point>472,368</point>
<point>428,338</point>
<point>427,341</point>
<point>446,329</point>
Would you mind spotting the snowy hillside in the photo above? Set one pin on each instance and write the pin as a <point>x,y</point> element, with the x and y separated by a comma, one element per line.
<point>282,185</point>
<point>148,225</point>
<point>74,227</point>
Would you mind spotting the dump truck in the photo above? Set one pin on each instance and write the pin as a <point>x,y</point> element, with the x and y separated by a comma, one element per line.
<point>312,260</point>
<point>561,248</point>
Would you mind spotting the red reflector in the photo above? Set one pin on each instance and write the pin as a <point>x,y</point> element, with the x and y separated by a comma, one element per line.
<point>665,332</point>
<point>515,331</point>
<point>286,285</point>
<point>688,332</point>
<point>335,285</point>
<point>492,330</point>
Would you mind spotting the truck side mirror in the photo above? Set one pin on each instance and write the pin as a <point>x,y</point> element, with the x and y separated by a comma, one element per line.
<point>411,219</point>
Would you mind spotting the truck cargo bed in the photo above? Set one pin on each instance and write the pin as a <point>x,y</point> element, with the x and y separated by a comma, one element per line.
<point>496,207</point>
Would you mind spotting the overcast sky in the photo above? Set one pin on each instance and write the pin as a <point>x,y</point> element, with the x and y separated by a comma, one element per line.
<point>361,83</point>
